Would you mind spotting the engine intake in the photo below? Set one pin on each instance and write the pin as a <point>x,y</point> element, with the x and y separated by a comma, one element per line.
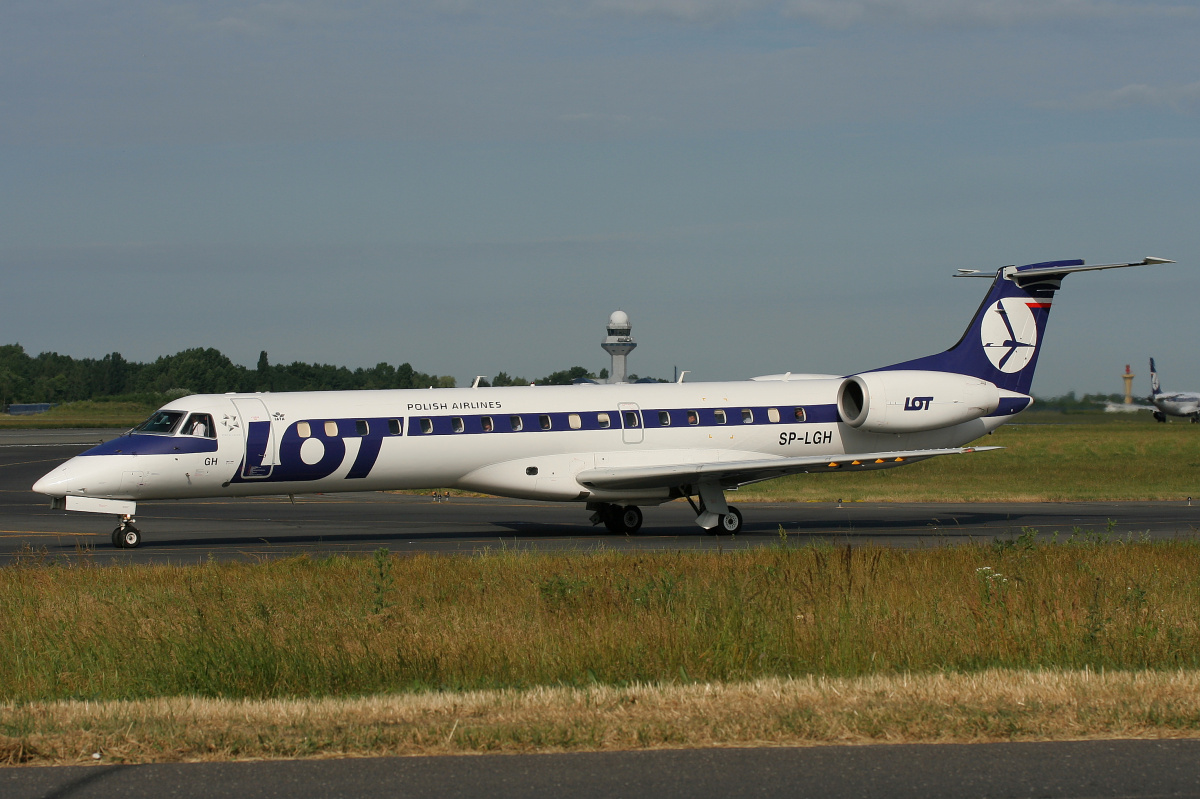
<point>913,401</point>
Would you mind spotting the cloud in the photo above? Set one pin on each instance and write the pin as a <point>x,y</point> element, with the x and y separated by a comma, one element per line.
<point>1182,99</point>
<point>975,13</point>
<point>940,13</point>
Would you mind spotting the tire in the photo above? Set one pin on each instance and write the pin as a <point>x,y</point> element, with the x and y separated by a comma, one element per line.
<point>631,519</point>
<point>116,538</point>
<point>612,518</point>
<point>130,537</point>
<point>731,523</point>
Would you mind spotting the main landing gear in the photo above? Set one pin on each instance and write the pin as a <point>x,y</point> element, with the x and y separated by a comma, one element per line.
<point>618,518</point>
<point>627,519</point>
<point>126,536</point>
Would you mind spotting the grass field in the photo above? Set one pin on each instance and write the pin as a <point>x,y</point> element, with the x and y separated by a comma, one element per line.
<point>536,631</point>
<point>1096,459</point>
<point>513,651</point>
<point>83,414</point>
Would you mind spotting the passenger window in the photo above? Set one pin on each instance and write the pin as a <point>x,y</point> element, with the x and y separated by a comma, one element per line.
<point>747,416</point>
<point>719,415</point>
<point>603,420</point>
<point>544,421</point>
<point>200,424</point>
<point>331,428</point>
<point>360,427</point>
<point>517,424</point>
<point>303,429</point>
<point>394,426</point>
<point>799,414</point>
<point>631,419</point>
<point>664,419</point>
<point>456,424</point>
<point>486,421</point>
<point>772,414</point>
<point>426,426</point>
<point>693,417</point>
<point>574,421</point>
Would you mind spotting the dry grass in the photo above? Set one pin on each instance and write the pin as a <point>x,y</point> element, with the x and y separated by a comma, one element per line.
<point>994,705</point>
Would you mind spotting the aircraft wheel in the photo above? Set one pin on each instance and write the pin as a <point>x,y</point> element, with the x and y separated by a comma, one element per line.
<point>130,537</point>
<point>116,538</point>
<point>731,523</point>
<point>612,518</point>
<point>631,519</point>
<point>1159,416</point>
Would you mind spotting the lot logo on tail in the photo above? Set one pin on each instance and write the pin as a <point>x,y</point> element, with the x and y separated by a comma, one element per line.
<point>1009,334</point>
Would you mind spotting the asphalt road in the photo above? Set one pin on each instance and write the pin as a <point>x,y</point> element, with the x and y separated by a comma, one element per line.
<point>1052,770</point>
<point>323,525</point>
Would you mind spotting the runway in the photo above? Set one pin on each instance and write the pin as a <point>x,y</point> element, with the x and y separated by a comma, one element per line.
<point>1092,769</point>
<point>354,524</point>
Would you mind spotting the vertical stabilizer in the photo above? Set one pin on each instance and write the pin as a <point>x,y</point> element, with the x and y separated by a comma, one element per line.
<point>1155,389</point>
<point>1004,339</point>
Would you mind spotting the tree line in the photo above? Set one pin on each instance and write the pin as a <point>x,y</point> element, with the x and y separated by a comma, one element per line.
<point>55,378</point>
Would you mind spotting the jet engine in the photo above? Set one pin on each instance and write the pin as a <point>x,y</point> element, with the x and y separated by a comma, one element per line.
<point>912,401</point>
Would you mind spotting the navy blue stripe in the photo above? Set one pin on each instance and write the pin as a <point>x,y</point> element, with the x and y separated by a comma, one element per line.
<point>1010,405</point>
<point>589,420</point>
<point>137,444</point>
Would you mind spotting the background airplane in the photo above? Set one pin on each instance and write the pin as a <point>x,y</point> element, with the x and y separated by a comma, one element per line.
<point>1184,403</point>
<point>612,447</point>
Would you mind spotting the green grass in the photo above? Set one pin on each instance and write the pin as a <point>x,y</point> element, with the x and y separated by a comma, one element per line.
<point>1109,460</point>
<point>83,414</point>
<point>304,628</point>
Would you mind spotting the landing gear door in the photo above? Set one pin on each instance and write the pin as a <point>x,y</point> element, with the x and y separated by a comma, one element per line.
<point>631,422</point>
<point>261,448</point>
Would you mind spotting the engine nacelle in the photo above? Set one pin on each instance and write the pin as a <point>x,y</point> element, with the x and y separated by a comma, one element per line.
<point>912,401</point>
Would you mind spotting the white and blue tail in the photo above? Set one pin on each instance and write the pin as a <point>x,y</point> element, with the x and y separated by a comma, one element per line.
<point>1155,389</point>
<point>1002,343</point>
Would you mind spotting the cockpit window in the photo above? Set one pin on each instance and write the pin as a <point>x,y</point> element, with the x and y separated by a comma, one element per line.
<point>162,422</point>
<point>199,424</point>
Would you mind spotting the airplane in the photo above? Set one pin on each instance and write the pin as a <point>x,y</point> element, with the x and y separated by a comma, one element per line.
<point>1184,403</point>
<point>612,447</point>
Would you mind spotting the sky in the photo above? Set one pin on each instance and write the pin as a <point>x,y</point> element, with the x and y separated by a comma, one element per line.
<point>474,186</point>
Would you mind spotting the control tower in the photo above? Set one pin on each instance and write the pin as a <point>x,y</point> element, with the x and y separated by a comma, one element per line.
<point>1128,378</point>
<point>618,343</point>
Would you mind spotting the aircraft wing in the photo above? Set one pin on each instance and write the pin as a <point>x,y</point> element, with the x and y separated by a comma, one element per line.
<point>730,474</point>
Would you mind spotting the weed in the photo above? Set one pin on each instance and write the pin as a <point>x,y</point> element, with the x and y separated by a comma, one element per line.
<point>381,580</point>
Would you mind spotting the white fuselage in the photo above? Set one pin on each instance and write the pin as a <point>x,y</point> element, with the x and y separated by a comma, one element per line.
<point>465,438</point>
<point>1179,404</point>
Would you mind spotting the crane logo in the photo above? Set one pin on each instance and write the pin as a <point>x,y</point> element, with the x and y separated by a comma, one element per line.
<point>1009,334</point>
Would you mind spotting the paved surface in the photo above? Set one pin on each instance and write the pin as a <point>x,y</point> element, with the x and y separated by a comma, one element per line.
<point>322,525</point>
<point>1052,770</point>
<point>360,523</point>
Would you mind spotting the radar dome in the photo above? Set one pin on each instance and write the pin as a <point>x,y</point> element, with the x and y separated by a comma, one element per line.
<point>618,319</point>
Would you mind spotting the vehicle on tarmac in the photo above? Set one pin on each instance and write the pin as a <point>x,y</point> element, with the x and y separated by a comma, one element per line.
<point>613,448</point>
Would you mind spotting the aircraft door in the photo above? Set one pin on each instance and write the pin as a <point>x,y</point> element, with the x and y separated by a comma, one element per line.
<point>261,447</point>
<point>632,431</point>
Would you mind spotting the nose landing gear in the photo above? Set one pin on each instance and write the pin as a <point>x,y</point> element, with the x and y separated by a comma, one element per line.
<point>126,536</point>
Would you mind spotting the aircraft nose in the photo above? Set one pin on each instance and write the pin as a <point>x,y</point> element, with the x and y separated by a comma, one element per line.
<point>54,482</point>
<point>78,476</point>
